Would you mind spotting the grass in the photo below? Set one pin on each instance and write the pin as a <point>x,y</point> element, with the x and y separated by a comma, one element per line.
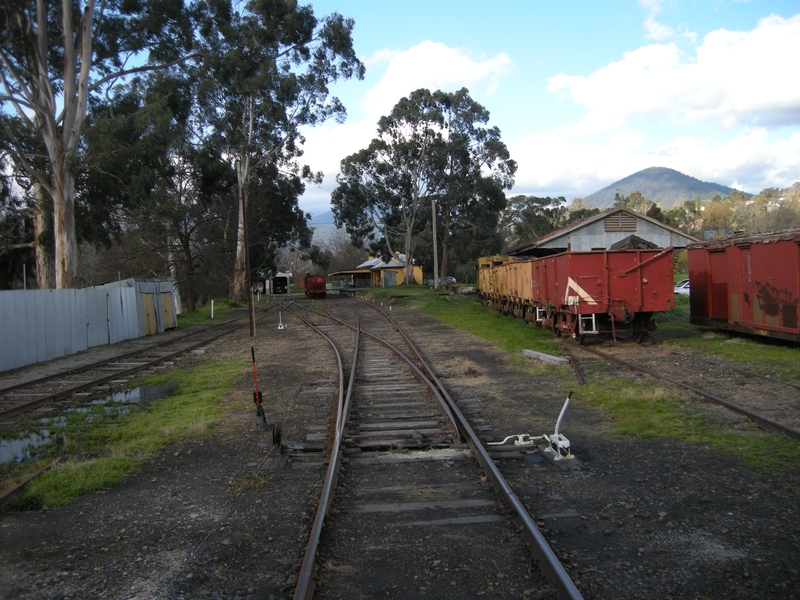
<point>113,445</point>
<point>465,312</point>
<point>202,316</point>
<point>652,411</point>
<point>774,357</point>
<point>637,410</point>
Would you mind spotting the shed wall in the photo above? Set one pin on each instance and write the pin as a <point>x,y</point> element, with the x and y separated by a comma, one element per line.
<point>39,325</point>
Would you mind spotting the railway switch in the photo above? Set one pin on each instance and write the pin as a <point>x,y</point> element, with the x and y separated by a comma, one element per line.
<point>554,447</point>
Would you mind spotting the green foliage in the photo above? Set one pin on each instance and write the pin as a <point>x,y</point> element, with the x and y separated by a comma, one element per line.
<point>651,411</point>
<point>527,218</point>
<point>432,153</point>
<point>463,311</point>
<point>118,443</point>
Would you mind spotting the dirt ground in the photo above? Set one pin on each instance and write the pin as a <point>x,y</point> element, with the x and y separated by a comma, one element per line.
<point>639,519</point>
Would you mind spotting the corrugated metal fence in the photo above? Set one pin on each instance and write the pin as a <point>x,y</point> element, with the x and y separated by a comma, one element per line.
<point>38,325</point>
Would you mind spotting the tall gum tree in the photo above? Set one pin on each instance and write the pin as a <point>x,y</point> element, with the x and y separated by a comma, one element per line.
<point>477,168</point>
<point>385,186</point>
<point>52,58</point>
<point>266,73</point>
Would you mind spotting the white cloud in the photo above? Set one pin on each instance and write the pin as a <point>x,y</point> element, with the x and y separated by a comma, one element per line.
<point>380,57</point>
<point>434,66</point>
<point>430,65</point>
<point>559,163</point>
<point>736,77</point>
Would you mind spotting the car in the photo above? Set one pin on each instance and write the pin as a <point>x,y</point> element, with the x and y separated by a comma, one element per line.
<point>451,280</point>
<point>682,287</point>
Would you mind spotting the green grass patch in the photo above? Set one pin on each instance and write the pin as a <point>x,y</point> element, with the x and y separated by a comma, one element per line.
<point>652,411</point>
<point>771,357</point>
<point>467,313</point>
<point>638,410</point>
<point>117,443</point>
<point>202,316</point>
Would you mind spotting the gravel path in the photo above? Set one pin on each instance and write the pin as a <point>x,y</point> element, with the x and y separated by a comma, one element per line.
<point>640,519</point>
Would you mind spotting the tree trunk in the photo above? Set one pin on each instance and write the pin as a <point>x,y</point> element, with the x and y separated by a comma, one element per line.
<point>435,251</point>
<point>239,267</point>
<point>409,254</point>
<point>173,272</point>
<point>66,251</point>
<point>445,242</point>
<point>43,230</point>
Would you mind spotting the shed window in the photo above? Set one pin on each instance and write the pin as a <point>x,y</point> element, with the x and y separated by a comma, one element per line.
<point>620,222</point>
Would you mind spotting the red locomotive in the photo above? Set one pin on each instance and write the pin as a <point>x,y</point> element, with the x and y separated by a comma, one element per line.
<point>748,283</point>
<point>582,293</point>
<point>316,286</point>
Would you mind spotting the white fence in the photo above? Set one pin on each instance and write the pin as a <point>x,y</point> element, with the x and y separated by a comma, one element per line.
<point>38,325</point>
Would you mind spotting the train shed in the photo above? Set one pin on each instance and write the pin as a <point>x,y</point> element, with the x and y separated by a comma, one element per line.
<point>613,228</point>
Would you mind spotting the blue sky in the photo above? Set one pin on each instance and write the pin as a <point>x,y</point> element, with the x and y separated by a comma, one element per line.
<point>586,93</point>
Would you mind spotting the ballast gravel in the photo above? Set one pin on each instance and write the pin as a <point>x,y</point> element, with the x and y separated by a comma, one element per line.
<point>219,517</point>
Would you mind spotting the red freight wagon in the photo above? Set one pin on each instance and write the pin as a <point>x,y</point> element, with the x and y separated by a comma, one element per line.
<point>587,293</point>
<point>748,283</point>
<point>601,291</point>
<point>316,286</point>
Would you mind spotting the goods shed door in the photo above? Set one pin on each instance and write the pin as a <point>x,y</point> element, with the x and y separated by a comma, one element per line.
<point>719,284</point>
<point>167,310</point>
<point>149,314</point>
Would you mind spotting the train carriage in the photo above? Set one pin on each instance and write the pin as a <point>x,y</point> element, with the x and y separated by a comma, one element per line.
<point>586,293</point>
<point>316,286</point>
<point>747,283</point>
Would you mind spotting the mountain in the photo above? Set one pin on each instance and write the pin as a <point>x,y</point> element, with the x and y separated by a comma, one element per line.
<point>666,187</point>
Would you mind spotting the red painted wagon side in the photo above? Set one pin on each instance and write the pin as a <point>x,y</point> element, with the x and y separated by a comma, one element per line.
<point>604,291</point>
<point>316,286</point>
<point>747,283</point>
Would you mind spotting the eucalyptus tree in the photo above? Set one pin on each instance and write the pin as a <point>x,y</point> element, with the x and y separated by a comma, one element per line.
<point>477,170</point>
<point>267,68</point>
<point>529,217</point>
<point>383,187</point>
<point>53,58</point>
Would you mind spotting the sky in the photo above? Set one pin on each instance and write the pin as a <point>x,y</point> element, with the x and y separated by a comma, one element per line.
<point>585,92</point>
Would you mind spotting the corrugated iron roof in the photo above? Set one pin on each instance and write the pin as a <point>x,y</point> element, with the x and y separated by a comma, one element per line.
<point>751,238</point>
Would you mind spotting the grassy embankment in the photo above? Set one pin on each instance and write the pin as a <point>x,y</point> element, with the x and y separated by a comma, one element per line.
<point>106,445</point>
<point>642,410</point>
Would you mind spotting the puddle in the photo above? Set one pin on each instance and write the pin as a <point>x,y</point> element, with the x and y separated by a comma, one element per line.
<point>139,394</point>
<point>25,448</point>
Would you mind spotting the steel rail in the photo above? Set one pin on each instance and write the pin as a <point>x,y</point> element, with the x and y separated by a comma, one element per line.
<point>747,373</point>
<point>420,376</point>
<point>60,395</point>
<point>306,578</point>
<point>576,367</point>
<point>552,568</point>
<point>117,358</point>
<point>761,420</point>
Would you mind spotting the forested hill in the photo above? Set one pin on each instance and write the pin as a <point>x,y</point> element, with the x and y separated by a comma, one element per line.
<point>666,187</point>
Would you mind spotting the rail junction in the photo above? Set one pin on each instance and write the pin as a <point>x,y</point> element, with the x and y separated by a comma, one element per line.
<point>408,479</point>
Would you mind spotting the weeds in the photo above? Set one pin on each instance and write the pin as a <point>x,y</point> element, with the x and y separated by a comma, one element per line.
<point>114,444</point>
<point>652,411</point>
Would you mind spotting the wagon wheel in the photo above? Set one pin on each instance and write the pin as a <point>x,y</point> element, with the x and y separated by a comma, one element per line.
<point>581,339</point>
<point>638,337</point>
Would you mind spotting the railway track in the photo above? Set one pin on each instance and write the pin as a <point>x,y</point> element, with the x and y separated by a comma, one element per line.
<point>764,400</point>
<point>78,382</point>
<point>411,504</point>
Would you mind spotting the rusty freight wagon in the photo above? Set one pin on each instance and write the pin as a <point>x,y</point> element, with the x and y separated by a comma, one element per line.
<point>587,293</point>
<point>316,286</point>
<point>603,291</point>
<point>748,283</point>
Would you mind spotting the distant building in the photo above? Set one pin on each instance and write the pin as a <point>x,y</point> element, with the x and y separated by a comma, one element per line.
<point>615,227</point>
<point>377,273</point>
